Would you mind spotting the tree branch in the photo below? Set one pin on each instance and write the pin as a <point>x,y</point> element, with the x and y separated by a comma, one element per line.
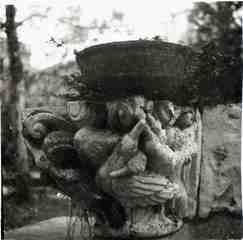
<point>15,65</point>
<point>34,15</point>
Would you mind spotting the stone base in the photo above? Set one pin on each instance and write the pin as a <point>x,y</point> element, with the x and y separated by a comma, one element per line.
<point>221,226</point>
<point>141,230</point>
<point>157,229</point>
<point>141,223</point>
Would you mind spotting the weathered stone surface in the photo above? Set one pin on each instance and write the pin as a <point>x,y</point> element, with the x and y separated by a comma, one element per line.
<point>221,166</point>
<point>137,161</point>
<point>95,145</point>
<point>73,114</point>
<point>217,227</point>
<point>83,113</point>
<point>147,158</point>
<point>154,69</point>
<point>166,169</point>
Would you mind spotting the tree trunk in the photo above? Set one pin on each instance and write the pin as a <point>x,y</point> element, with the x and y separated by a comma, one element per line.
<point>12,100</point>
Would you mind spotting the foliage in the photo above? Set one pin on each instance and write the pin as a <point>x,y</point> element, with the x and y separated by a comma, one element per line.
<point>220,78</point>
<point>216,30</point>
<point>13,148</point>
<point>45,87</point>
<point>76,32</point>
<point>76,89</point>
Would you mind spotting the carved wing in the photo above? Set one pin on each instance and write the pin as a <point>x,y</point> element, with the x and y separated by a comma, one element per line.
<point>143,190</point>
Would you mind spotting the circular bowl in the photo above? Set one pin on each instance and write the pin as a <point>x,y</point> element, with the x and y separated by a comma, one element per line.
<point>155,69</point>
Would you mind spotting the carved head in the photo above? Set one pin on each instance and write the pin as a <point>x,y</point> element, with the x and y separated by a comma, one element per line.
<point>186,119</point>
<point>123,114</point>
<point>164,111</point>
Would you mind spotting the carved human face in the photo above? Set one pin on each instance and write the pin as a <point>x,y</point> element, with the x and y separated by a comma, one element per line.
<point>165,112</point>
<point>125,113</point>
<point>188,119</point>
<point>185,120</point>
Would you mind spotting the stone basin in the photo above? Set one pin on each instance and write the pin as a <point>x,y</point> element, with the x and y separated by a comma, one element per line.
<point>154,68</point>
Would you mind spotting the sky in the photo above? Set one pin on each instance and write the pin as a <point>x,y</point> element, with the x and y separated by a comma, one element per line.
<point>140,19</point>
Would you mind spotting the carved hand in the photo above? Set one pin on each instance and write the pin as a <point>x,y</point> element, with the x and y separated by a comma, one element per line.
<point>44,163</point>
<point>159,154</point>
<point>126,157</point>
<point>135,165</point>
<point>134,161</point>
<point>156,127</point>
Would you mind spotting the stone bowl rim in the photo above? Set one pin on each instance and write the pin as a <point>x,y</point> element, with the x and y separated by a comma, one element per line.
<point>131,43</point>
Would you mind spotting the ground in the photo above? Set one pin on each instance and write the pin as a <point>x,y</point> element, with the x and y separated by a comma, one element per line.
<point>46,216</point>
<point>54,210</point>
<point>44,204</point>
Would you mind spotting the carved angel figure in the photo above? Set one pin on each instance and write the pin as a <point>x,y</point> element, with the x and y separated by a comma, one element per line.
<point>135,173</point>
<point>183,138</point>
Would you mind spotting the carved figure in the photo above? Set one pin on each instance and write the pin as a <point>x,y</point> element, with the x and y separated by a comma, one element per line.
<point>183,140</point>
<point>130,174</point>
<point>125,172</point>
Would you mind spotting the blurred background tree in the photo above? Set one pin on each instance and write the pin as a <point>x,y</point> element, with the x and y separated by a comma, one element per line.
<point>14,68</point>
<point>216,28</point>
<point>72,32</point>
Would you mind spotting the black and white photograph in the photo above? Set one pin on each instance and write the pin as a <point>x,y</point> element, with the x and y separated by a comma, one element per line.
<point>121,120</point>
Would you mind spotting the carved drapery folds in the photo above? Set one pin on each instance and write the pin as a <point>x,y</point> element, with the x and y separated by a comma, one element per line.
<point>141,155</point>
